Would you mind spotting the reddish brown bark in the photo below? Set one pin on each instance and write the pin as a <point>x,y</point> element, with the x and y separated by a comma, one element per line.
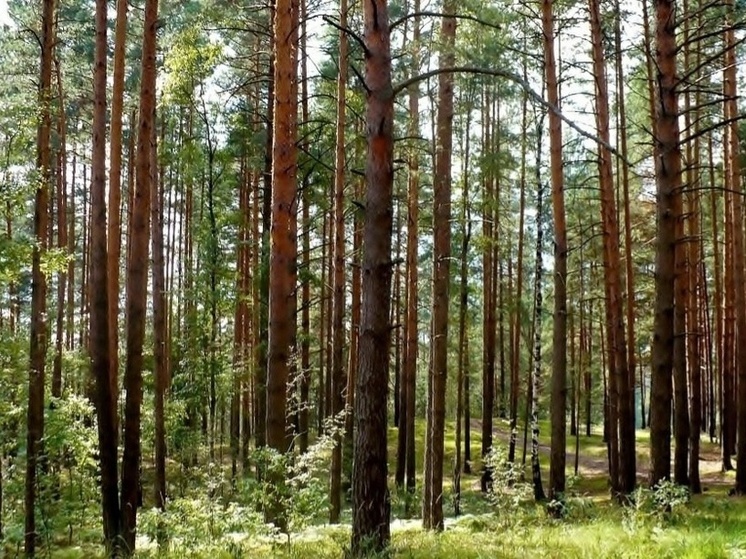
<point>371,507</point>
<point>432,514</point>
<point>621,397</point>
<point>339,382</point>
<point>668,182</point>
<point>411,332</point>
<point>159,322</point>
<point>62,277</point>
<point>283,249</point>
<point>137,281</point>
<point>733,169</point>
<point>115,197</point>
<point>38,330</point>
<point>305,336</point>
<point>559,337</point>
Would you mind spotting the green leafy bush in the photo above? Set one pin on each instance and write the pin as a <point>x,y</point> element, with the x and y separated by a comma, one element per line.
<point>661,504</point>
<point>507,492</point>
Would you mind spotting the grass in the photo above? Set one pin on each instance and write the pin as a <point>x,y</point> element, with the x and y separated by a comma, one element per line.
<point>711,525</point>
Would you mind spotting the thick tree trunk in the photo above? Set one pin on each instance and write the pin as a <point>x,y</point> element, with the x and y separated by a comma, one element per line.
<point>559,329</point>
<point>371,507</point>
<point>99,336</point>
<point>668,182</point>
<point>283,248</point>
<point>733,168</point>
<point>137,281</point>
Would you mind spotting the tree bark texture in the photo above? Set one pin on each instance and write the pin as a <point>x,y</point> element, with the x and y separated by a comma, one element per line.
<point>668,182</point>
<point>371,507</point>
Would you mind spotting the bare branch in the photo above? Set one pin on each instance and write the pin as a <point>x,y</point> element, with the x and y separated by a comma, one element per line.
<point>466,17</point>
<point>518,80</point>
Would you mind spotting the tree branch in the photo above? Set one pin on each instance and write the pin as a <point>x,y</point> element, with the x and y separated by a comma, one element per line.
<point>349,32</point>
<point>466,17</point>
<point>518,80</point>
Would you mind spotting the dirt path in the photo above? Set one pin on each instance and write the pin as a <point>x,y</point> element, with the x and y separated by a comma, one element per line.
<point>593,461</point>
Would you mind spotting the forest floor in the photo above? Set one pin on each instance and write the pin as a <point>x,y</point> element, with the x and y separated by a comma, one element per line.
<point>711,525</point>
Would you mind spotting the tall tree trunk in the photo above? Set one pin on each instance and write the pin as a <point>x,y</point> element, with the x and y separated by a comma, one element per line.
<point>283,248</point>
<point>241,316</point>
<point>732,165</point>
<point>260,365</point>
<point>412,337</point>
<point>518,312</point>
<point>62,277</point>
<point>463,346</point>
<point>627,432</point>
<point>668,182</point>
<point>137,281</point>
<point>339,382</point>
<point>621,406</point>
<point>432,516</point>
<point>99,336</point>
<point>115,197</point>
<point>38,330</point>
<point>536,358</point>
<point>371,507</point>
<point>161,373</point>
<point>489,341</point>
<point>695,319</point>
<point>305,336</point>
<point>559,344</point>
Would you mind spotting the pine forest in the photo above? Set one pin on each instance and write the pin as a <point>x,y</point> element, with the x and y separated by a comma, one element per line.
<point>372,278</point>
